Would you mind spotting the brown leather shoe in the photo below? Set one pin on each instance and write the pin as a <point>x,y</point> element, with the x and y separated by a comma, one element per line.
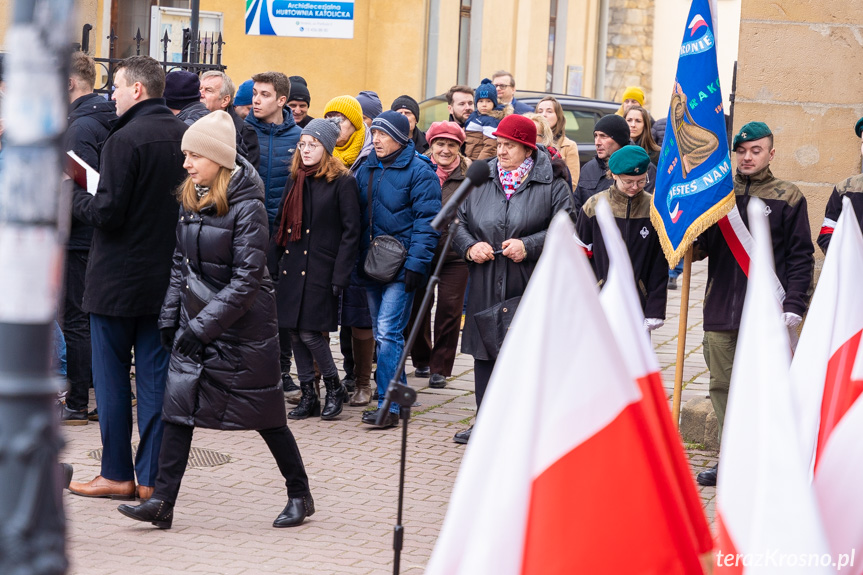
<point>144,492</point>
<point>101,487</point>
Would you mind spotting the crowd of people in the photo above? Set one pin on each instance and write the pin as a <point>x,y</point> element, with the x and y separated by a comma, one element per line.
<point>231,233</point>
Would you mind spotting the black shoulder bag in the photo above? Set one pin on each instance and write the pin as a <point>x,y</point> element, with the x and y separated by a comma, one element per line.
<point>199,289</point>
<point>386,254</point>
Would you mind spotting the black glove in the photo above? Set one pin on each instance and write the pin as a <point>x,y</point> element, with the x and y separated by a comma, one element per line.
<point>413,280</point>
<point>189,345</point>
<point>337,291</point>
<point>166,334</point>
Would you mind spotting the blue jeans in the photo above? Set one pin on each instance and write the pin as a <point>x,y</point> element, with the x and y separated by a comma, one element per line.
<point>677,270</point>
<point>59,351</point>
<point>390,308</point>
<point>112,340</point>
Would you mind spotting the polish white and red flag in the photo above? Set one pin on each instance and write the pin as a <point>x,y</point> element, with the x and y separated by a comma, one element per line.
<point>827,380</point>
<point>623,311</point>
<point>766,514</point>
<point>565,478</point>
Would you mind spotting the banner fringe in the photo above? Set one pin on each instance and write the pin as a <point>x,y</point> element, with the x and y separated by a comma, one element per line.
<point>704,221</point>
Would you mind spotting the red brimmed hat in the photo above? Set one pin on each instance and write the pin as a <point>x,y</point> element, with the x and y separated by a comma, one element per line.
<point>449,130</point>
<point>518,129</point>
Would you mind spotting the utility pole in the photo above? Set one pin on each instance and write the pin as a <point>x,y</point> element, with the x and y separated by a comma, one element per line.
<point>32,521</point>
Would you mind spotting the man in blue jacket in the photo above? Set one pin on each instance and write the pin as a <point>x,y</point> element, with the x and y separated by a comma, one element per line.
<point>399,196</point>
<point>278,135</point>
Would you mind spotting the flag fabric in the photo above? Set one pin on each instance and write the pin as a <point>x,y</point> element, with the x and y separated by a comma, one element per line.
<point>827,380</point>
<point>766,513</point>
<point>694,180</point>
<point>623,311</point>
<point>563,480</point>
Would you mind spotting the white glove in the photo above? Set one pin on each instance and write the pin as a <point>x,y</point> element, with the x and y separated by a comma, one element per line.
<point>792,320</point>
<point>652,323</point>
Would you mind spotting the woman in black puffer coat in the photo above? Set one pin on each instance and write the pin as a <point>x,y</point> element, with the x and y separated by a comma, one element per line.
<point>317,235</point>
<point>224,368</point>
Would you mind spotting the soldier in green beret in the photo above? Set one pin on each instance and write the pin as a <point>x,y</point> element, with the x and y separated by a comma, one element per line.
<point>726,280</point>
<point>852,188</point>
<point>630,204</point>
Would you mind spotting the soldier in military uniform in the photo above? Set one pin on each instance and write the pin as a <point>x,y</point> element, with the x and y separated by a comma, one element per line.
<point>726,281</point>
<point>851,188</point>
<point>630,205</point>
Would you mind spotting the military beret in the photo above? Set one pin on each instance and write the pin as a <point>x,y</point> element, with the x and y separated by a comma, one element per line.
<point>629,161</point>
<point>858,128</point>
<point>749,132</point>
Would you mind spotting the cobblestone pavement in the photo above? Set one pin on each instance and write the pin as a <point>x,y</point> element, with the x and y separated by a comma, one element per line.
<point>222,522</point>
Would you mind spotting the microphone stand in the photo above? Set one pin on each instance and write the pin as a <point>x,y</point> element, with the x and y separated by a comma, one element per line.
<point>405,396</point>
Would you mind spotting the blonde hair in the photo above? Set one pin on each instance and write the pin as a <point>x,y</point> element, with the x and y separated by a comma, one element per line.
<point>187,195</point>
<point>543,130</point>
<point>330,166</point>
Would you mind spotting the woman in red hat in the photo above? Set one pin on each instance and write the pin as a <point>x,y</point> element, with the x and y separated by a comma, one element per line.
<point>501,234</point>
<point>446,139</point>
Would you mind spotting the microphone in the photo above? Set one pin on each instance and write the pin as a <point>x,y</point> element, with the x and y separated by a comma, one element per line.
<point>476,173</point>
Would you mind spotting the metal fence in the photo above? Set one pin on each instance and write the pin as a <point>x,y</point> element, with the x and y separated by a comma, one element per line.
<point>204,54</point>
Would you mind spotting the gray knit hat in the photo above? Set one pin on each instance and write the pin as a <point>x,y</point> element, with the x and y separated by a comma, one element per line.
<point>214,137</point>
<point>393,124</point>
<point>325,131</point>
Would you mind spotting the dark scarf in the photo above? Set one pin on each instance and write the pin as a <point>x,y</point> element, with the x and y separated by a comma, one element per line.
<point>291,223</point>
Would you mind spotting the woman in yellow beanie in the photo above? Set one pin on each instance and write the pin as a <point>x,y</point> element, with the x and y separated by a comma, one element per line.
<point>355,337</point>
<point>219,321</point>
<point>354,142</point>
<point>632,96</point>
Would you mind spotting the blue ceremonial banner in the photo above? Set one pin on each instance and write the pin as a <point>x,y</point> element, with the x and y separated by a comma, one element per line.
<point>694,181</point>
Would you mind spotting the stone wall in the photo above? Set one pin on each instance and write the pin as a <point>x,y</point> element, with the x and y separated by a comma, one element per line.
<point>799,71</point>
<point>629,57</point>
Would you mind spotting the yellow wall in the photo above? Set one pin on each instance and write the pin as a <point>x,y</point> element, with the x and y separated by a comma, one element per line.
<point>85,12</point>
<point>386,57</point>
<point>798,71</point>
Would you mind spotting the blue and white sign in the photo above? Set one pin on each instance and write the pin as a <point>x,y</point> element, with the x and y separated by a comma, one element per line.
<point>300,18</point>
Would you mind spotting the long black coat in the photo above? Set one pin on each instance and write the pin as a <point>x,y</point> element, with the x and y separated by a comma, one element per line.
<point>90,120</point>
<point>237,384</point>
<point>487,216</point>
<point>134,212</point>
<point>323,256</point>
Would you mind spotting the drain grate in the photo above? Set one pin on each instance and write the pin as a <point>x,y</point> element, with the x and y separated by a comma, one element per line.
<point>198,456</point>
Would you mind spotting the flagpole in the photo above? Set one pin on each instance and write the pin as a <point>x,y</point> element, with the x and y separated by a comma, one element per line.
<point>681,337</point>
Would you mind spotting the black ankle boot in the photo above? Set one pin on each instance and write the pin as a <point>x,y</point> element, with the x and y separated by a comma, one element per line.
<point>295,512</point>
<point>159,513</point>
<point>309,403</point>
<point>336,395</point>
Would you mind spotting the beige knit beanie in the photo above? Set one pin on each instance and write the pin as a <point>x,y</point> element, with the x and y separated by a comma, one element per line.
<point>213,137</point>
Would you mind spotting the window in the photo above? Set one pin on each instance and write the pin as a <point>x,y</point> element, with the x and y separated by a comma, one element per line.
<point>463,41</point>
<point>552,33</point>
<point>580,125</point>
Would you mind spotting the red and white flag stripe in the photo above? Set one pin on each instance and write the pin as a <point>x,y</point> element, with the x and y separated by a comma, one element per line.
<point>544,487</point>
<point>757,514</point>
<point>827,380</point>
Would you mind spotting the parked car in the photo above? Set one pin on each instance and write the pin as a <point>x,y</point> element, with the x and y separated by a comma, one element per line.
<point>581,116</point>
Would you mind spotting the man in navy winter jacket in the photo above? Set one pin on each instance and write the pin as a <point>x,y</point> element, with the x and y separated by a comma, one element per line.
<point>405,195</point>
<point>278,135</point>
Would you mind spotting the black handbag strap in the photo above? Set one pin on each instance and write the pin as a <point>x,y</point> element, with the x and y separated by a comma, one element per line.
<point>371,224</point>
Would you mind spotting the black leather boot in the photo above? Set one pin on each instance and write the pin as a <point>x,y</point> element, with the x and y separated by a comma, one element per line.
<point>309,403</point>
<point>336,395</point>
<point>159,513</point>
<point>295,512</point>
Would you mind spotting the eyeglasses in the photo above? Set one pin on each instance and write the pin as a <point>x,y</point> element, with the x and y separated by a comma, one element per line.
<point>336,116</point>
<point>305,146</point>
<point>637,183</point>
<point>502,86</point>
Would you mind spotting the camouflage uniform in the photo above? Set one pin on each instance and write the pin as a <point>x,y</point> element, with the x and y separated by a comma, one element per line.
<point>853,189</point>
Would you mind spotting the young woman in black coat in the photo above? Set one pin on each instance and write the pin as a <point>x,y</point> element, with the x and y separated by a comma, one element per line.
<point>219,320</point>
<point>317,236</point>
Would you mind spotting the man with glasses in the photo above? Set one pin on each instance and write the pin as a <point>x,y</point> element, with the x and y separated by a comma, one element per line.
<point>505,85</point>
<point>630,204</point>
<point>610,134</point>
